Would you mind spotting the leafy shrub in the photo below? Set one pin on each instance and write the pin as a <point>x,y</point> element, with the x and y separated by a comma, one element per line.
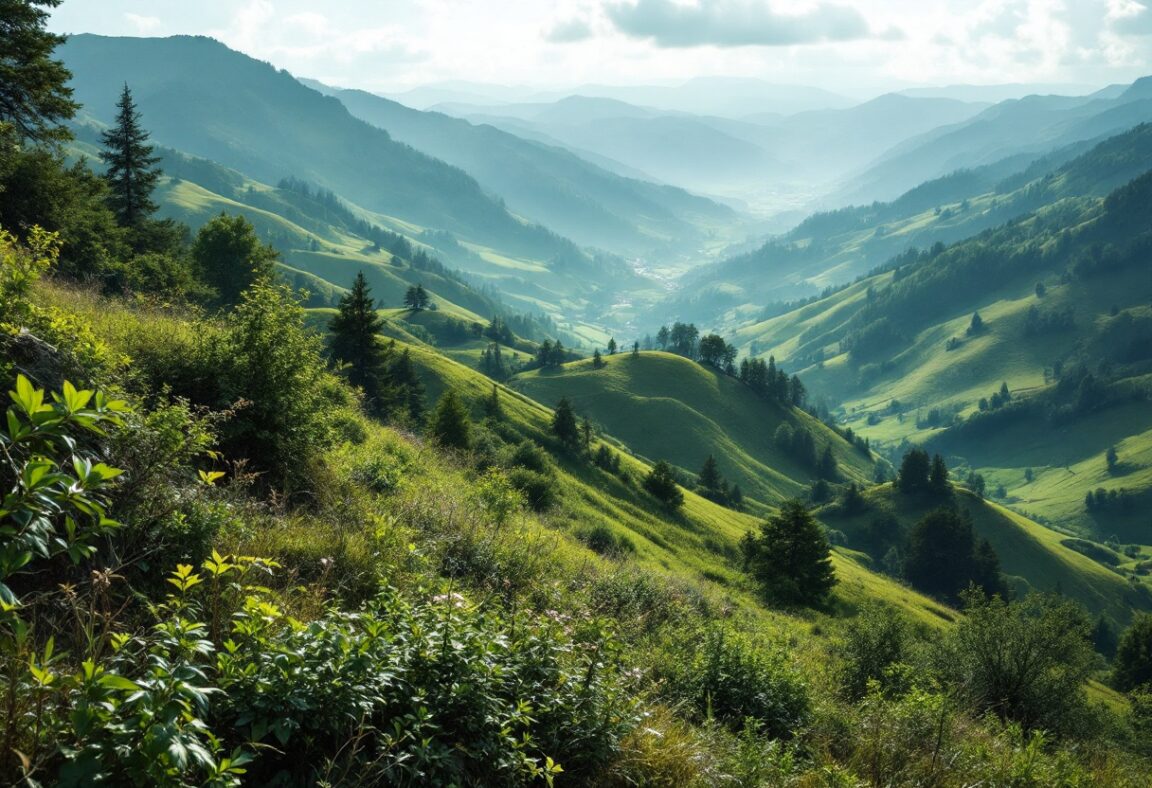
<point>539,489</point>
<point>875,641</point>
<point>1026,661</point>
<point>727,676</point>
<point>434,691</point>
<point>603,540</point>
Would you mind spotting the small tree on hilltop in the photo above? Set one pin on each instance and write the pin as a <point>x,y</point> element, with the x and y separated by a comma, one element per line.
<point>914,470</point>
<point>449,425</point>
<point>661,482</point>
<point>564,424</point>
<point>132,171</point>
<point>612,346</point>
<point>791,557</point>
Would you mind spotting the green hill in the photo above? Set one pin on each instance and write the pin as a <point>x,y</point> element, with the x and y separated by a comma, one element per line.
<point>1033,558</point>
<point>666,407</point>
<point>828,250</point>
<point>203,99</point>
<point>1063,297</point>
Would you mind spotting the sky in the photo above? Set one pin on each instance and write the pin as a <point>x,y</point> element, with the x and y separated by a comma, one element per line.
<point>855,48</point>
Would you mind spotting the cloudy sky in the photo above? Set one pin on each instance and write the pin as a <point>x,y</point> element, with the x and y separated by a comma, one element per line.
<point>857,47</point>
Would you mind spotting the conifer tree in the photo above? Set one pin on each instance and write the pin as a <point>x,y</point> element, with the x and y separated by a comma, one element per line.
<point>826,468</point>
<point>408,399</point>
<point>938,476</point>
<point>564,424</point>
<point>132,171</point>
<point>791,557</point>
<point>709,476</point>
<point>354,341</point>
<point>492,407</point>
<point>661,482</point>
<point>612,346</point>
<point>597,359</point>
<point>34,95</point>
<point>449,425</point>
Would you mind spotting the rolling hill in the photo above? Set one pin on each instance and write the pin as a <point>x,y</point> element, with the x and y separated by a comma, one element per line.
<point>830,249</point>
<point>1063,297</point>
<point>667,407</point>
<point>203,99</point>
<point>550,185</point>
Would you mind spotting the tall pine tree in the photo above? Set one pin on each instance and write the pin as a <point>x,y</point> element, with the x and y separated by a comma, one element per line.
<point>35,98</point>
<point>354,341</point>
<point>132,171</point>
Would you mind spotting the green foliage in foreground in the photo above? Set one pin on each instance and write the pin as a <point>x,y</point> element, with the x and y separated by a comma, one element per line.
<point>409,620</point>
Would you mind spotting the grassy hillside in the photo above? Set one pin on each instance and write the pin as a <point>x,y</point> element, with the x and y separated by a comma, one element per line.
<point>666,407</point>
<point>1063,298</point>
<point>1033,558</point>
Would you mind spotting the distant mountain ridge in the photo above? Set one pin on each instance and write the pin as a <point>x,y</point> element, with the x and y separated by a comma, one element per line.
<point>547,184</point>
<point>198,96</point>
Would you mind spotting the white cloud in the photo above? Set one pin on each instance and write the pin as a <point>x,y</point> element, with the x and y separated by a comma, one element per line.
<point>144,25</point>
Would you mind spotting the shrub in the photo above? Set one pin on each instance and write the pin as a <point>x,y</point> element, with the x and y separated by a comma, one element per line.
<point>727,676</point>
<point>539,489</point>
<point>875,642</point>
<point>1026,662</point>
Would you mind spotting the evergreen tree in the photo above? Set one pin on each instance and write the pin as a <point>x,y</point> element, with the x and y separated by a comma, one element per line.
<point>231,257</point>
<point>636,348</point>
<point>661,483</point>
<point>976,325</point>
<point>564,424</point>
<point>914,469</point>
<point>406,389</point>
<point>938,476</point>
<point>663,336</point>
<point>132,172</point>
<point>943,557</point>
<point>709,477</point>
<point>354,340</point>
<point>35,99</point>
<point>826,468</point>
<point>412,299</point>
<point>492,407</point>
<point>597,359</point>
<point>1110,457</point>
<point>612,346</point>
<point>449,425</point>
<point>586,434</point>
<point>791,557</point>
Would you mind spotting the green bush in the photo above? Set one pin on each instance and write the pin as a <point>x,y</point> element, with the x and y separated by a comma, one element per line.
<point>875,642</point>
<point>433,692</point>
<point>725,675</point>
<point>539,489</point>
